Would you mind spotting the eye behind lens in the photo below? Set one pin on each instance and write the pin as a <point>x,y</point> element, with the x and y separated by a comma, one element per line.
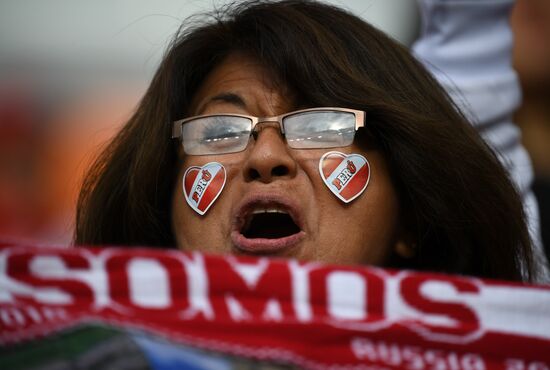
<point>320,129</point>
<point>216,134</point>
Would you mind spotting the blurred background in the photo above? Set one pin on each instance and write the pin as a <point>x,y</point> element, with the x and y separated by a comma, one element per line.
<point>531,27</point>
<point>73,71</point>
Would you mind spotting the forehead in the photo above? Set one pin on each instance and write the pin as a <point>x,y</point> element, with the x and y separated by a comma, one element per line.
<point>261,92</point>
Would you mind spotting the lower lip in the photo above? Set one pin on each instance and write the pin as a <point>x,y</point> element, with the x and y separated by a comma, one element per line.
<point>262,245</point>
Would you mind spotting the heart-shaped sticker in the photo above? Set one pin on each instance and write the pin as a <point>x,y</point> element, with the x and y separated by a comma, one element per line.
<point>203,185</point>
<point>346,175</point>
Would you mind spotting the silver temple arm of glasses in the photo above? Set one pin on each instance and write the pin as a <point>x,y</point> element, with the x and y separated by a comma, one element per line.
<point>177,129</point>
<point>359,119</point>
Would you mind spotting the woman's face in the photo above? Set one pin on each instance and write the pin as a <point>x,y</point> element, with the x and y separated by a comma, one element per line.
<point>277,191</point>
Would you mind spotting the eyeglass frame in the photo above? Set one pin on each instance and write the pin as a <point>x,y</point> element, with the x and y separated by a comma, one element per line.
<point>177,126</point>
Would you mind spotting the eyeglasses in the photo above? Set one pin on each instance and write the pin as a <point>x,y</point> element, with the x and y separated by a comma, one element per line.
<point>303,129</point>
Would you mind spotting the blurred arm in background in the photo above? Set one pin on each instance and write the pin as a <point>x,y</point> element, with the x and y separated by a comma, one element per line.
<point>467,45</point>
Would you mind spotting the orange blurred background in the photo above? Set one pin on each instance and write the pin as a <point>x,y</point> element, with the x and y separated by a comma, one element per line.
<point>44,153</point>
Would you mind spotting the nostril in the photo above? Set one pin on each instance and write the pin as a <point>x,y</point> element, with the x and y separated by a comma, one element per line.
<point>253,174</point>
<point>280,171</point>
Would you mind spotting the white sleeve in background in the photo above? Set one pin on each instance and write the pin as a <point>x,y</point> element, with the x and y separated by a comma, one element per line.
<point>467,46</point>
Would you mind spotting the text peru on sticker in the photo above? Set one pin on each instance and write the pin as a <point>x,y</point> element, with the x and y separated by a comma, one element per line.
<point>346,175</point>
<point>203,185</point>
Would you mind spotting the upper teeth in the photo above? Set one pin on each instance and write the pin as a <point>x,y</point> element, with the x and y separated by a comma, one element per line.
<point>267,210</point>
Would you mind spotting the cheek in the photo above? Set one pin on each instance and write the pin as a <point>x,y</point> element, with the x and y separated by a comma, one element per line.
<point>365,229</point>
<point>207,231</point>
<point>378,214</point>
<point>188,225</point>
<point>379,223</point>
<point>182,217</point>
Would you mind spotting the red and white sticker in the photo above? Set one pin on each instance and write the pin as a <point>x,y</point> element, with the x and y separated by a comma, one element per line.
<point>203,185</point>
<point>346,175</point>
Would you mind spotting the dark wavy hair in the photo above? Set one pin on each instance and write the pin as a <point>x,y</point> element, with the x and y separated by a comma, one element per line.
<point>458,202</point>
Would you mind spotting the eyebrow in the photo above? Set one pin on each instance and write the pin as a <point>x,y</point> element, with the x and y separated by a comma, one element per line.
<point>230,98</point>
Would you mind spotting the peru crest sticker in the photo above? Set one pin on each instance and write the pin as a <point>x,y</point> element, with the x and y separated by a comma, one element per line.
<point>203,185</point>
<point>346,175</point>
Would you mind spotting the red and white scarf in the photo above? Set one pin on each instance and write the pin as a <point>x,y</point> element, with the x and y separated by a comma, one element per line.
<point>305,314</point>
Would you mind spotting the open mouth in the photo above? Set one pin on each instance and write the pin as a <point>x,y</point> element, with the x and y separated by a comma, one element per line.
<point>266,227</point>
<point>269,223</point>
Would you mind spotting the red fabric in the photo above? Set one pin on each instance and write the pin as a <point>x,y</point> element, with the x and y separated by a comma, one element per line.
<point>311,315</point>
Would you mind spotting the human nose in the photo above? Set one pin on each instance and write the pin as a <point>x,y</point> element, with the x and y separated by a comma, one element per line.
<point>269,157</point>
